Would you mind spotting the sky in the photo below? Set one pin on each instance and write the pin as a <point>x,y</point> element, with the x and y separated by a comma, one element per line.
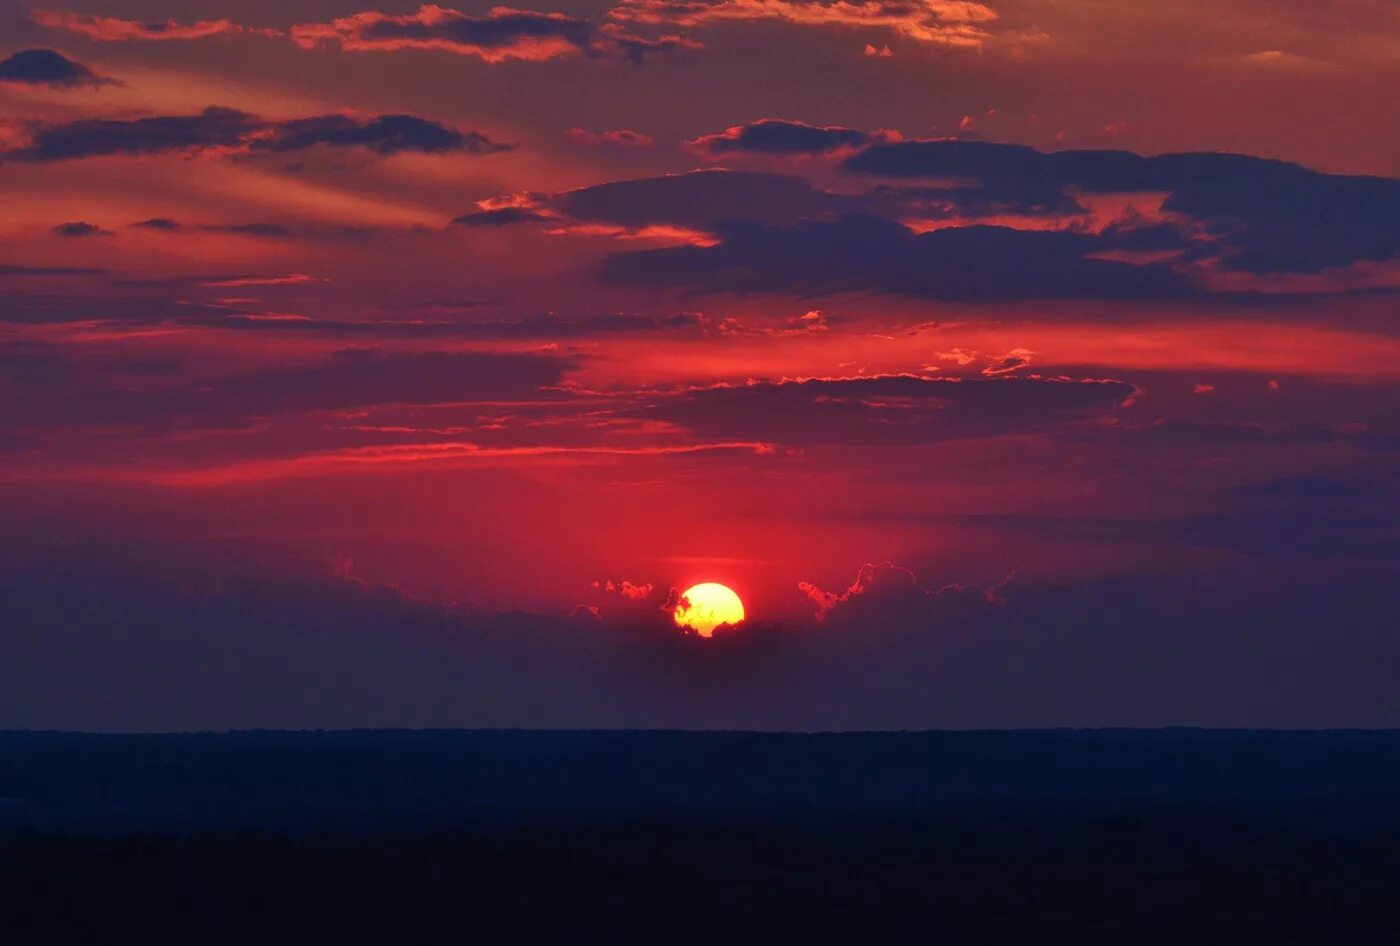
<point>1025,363</point>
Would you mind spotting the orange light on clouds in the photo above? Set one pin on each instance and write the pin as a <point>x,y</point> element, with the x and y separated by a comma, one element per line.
<point>706,606</point>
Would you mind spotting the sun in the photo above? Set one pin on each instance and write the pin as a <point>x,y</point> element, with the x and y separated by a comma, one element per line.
<point>706,606</point>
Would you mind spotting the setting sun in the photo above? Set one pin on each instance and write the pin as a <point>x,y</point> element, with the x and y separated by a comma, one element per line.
<point>705,607</point>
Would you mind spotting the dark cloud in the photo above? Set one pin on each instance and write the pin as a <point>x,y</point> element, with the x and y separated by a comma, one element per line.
<point>503,34</point>
<point>387,134</point>
<point>352,378</point>
<point>159,223</point>
<point>86,138</point>
<point>258,228</point>
<point>1263,216</point>
<point>637,49</point>
<point>232,130</point>
<point>890,594</point>
<point>866,253</point>
<point>959,23</point>
<point>12,269</point>
<point>541,327</point>
<point>500,217</point>
<point>187,302</point>
<point>1321,489</point>
<point>886,409</point>
<point>701,199</point>
<point>47,67</point>
<point>49,308</point>
<point>1309,518</point>
<point>1017,196</point>
<point>615,137</point>
<point>775,136</point>
<point>80,229</point>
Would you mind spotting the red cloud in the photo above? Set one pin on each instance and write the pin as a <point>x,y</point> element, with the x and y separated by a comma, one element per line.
<point>112,30</point>
<point>627,589</point>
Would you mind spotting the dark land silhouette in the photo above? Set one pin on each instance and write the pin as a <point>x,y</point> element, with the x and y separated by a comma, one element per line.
<point>1180,836</point>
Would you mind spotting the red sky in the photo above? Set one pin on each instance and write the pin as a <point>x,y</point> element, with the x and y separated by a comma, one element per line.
<point>1016,303</point>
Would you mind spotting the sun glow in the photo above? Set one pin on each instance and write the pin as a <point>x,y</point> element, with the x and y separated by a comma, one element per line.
<point>706,606</point>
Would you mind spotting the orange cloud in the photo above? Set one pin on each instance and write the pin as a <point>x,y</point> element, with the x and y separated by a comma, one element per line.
<point>112,30</point>
<point>944,22</point>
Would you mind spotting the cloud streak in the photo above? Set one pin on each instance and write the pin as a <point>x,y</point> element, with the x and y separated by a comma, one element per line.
<point>503,34</point>
<point>227,130</point>
<point>113,30</point>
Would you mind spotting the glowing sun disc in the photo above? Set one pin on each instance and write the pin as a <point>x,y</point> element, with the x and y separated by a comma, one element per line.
<point>706,606</point>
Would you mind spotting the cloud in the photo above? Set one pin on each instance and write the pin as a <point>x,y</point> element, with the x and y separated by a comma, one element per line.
<point>629,590</point>
<point>350,378</point>
<point>164,224</point>
<point>543,327</point>
<point>940,22</point>
<point>48,67</point>
<point>503,34</point>
<point>80,229</point>
<point>502,216</point>
<point>887,410</point>
<point>776,136</point>
<point>386,134</point>
<point>618,137</point>
<point>12,269</point>
<point>112,30</point>
<point>229,130</point>
<point>1278,59</point>
<point>168,225</point>
<point>1305,489</point>
<point>701,199</point>
<point>1011,362</point>
<point>811,322</point>
<point>886,588</point>
<point>1260,216</point>
<point>283,279</point>
<point>858,252</point>
<point>213,128</point>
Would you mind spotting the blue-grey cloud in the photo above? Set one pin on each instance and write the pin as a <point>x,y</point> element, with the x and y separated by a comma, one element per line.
<point>230,129</point>
<point>48,67</point>
<point>1263,216</point>
<point>776,136</point>
<point>865,253</point>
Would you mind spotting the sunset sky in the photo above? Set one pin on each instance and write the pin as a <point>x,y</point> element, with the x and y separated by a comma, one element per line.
<point>1026,363</point>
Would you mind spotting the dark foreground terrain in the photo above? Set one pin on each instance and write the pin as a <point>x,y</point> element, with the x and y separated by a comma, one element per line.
<point>444,837</point>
